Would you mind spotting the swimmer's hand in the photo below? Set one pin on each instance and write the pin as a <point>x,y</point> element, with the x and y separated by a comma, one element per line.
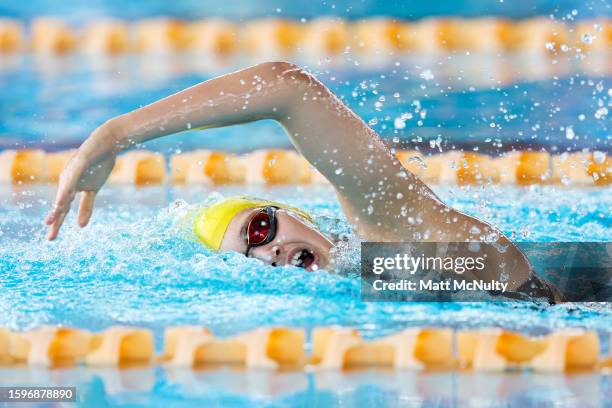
<point>80,175</point>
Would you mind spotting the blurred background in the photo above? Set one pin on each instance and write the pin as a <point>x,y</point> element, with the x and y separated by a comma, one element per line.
<point>78,11</point>
<point>483,75</point>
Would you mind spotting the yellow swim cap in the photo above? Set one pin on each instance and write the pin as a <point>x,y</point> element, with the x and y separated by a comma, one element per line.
<point>212,221</point>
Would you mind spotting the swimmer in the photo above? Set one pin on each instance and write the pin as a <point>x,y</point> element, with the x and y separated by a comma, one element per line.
<point>382,200</point>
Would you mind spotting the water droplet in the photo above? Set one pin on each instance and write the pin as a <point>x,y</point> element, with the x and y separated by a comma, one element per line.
<point>599,157</point>
<point>587,38</point>
<point>339,170</point>
<point>399,124</point>
<point>569,132</point>
<point>427,75</point>
<point>601,112</point>
<point>565,180</point>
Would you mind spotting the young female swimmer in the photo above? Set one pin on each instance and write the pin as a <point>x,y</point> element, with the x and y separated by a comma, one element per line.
<point>382,200</point>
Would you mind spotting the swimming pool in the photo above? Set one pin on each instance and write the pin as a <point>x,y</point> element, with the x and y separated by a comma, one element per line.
<point>234,388</point>
<point>135,257</point>
<point>132,266</point>
<point>494,103</point>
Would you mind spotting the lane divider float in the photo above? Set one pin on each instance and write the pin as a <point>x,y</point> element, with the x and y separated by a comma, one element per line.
<point>331,348</point>
<point>286,167</point>
<point>320,36</point>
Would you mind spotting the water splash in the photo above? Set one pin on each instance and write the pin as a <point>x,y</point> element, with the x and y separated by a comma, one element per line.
<point>136,265</point>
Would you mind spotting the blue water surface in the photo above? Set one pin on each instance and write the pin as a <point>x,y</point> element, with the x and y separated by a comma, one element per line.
<point>227,387</point>
<point>136,265</point>
<point>247,9</point>
<point>491,102</point>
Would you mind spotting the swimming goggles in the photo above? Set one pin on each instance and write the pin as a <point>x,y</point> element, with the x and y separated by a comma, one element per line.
<point>261,228</point>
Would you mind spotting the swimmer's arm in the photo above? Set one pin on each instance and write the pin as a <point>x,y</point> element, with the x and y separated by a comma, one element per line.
<point>255,93</point>
<point>369,180</point>
<point>337,142</point>
<point>383,201</point>
<point>380,197</point>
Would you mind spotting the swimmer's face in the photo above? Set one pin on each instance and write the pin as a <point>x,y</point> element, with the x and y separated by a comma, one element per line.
<point>296,241</point>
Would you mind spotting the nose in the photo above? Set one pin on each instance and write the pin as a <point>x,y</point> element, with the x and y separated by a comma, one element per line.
<point>271,253</point>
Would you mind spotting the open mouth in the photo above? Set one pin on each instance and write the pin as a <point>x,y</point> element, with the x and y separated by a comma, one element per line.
<point>304,259</point>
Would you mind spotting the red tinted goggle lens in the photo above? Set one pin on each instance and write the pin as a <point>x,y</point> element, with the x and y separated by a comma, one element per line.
<point>259,228</point>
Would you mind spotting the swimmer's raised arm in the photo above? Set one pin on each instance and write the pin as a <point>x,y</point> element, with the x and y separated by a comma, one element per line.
<point>382,200</point>
<point>335,140</point>
<point>321,127</point>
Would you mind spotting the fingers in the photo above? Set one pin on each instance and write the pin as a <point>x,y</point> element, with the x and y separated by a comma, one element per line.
<point>86,207</point>
<point>64,196</point>
<point>52,216</point>
<point>56,225</point>
<point>55,219</point>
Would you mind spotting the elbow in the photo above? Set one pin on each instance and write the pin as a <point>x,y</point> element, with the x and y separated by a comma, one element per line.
<point>290,72</point>
<point>280,67</point>
<point>295,84</point>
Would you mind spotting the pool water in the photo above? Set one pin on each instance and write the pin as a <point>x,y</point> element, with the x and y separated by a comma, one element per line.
<point>490,102</point>
<point>247,9</point>
<point>133,266</point>
<point>226,387</point>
